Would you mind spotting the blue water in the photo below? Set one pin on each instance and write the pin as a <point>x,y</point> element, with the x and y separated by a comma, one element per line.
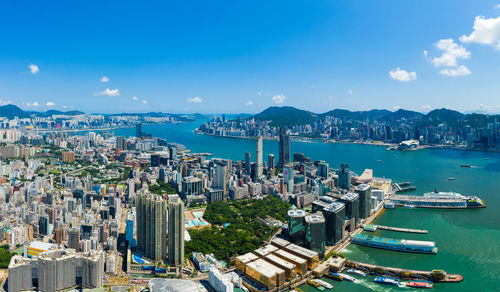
<point>468,240</point>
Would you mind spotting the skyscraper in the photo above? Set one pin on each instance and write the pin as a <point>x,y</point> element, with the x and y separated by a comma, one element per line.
<point>175,230</point>
<point>284,148</point>
<point>270,161</point>
<point>138,130</point>
<point>323,169</point>
<point>344,177</point>
<point>152,226</point>
<point>220,177</point>
<point>365,194</point>
<point>74,239</point>
<point>248,162</point>
<point>296,226</point>
<point>315,232</point>
<point>334,217</point>
<point>258,153</point>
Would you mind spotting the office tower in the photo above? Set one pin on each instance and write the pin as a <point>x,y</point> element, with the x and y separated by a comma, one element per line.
<point>270,161</point>
<point>288,175</point>
<point>258,153</point>
<point>175,230</point>
<point>323,169</point>
<point>173,152</point>
<point>43,225</point>
<point>365,194</point>
<point>190,186</point>
<point>344,177</point>
<point>74,239</point>
<point>296,226</point>
<point>138,130</point>
<point>284,148</point>
<point>152,226</point>
<point>220,177</point>
<point>120,143</point>
<point>351,201</point>
<point>248,162</point>
<point>315,233</point>
<point>334,220</point>
<point>129,233</point>
<point>155,160</point>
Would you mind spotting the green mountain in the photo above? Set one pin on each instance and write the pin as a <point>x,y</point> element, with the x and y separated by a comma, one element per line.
<point>286,116</point>
<point>11,111</point>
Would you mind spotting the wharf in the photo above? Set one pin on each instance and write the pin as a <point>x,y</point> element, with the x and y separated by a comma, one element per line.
<point>399,229</point>
<point>435,275</point>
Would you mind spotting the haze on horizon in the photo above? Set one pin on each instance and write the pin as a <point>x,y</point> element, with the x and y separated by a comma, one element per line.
<point>233,57</point>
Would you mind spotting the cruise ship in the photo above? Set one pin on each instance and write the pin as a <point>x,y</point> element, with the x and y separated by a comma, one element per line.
<point>404,245</point>
<point>438,199</point>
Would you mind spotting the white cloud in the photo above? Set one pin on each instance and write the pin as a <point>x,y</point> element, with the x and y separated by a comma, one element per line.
<point>350,92</point>
<point>427,107</point>
<point>104,79</point>
<point>455,72</point>
<point>134,98</point>
<point>396,107</point>
<point>451,53</point>
<point>259,93</point>
<point>486,32</point>
<point>50,103</point>
<point>195,99</point>
<point>33,68</point>
<point>402,75</point>
<point>249,103</point>
<point>5,102</point>
<point>109,92</point>
<point>331,97</point>
<point>497,6</point>
<point>279,98</point>
<point>32,104</point>
<point>144,101</point>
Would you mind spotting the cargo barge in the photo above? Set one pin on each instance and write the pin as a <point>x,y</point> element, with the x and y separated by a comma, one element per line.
<point>403,245</point>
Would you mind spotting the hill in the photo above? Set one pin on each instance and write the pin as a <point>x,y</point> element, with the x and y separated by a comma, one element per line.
<point>11,111</point>
<point>286,116</point>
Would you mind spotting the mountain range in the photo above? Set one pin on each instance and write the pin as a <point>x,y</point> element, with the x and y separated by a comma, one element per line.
<point>291,116</point>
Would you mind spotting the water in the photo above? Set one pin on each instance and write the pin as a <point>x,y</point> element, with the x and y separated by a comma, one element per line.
<point>468,240</point>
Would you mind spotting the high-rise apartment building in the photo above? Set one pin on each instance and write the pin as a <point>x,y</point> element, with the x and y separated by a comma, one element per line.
<point>175,230</point>
<point>258,153</point>
<point>284,148</point>
<point>344,177</point>
<point>152,226</point>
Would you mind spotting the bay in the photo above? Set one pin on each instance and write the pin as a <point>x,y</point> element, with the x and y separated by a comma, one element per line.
<point>468,240</point>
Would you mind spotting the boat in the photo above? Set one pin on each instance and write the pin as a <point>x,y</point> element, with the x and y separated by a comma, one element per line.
<point>356,272</point>
<point>451,178</point>
<point>465,165</point>
<point>409,206</point>
<point>487,158</point>
<point>438,199</point>
<point>348,278</point>
<point>389,205</point>
<point>379,161</point>
<point>420,284</point>
<point>403,245</point>
<point>324,284</point>
<point>315,284</point>
<point>334,276</point>
<point>386,281</point>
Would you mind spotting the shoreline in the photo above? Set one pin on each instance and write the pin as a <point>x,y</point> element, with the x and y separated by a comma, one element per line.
<point>378,144</point>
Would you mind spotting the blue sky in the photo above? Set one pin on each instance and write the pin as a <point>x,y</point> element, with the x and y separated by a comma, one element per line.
<point>243,56</point>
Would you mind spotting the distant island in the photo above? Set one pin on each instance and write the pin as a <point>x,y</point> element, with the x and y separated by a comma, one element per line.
<point>402,128</point>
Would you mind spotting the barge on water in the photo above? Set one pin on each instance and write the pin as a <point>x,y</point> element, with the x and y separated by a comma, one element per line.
<point>415,246</point>
<point>438,199</point>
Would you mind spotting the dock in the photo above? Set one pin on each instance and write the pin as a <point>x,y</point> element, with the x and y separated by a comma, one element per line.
<point>397,229</point>
<point>403,187</point>
<point>434,275</point>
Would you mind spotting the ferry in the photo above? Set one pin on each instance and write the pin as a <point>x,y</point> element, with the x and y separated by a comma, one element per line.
<point>348,278</point>
<point>315,284</point>
<point>389,205</point>
<point>420,284</point>
<point>334,276</point>
<point>324,284</point>
<point>465,165</point>
<point>356,272</point>
<point>451,178</point>
<point>387,281</point>
<point>403,245</point>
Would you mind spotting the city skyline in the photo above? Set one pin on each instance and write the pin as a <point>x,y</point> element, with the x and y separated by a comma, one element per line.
<point>232,58</point>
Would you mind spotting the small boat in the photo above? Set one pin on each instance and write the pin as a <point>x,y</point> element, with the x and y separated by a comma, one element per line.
<point>487,158</point>
<point>315,284</point>
<point>379,161</point>
<point>465,165</point>
<point>356,272</point>
<point>386,281</point>
<point>389,205</point>
<point>348,278</point>
<point>324,284</point>
<point>451,178</point>
<point>334,276</point>
<point>409,206</point>
<point>420,284</point>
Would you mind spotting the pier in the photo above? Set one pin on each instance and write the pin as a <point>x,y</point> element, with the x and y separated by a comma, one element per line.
<point>434,275</point>
<point>397,229</point>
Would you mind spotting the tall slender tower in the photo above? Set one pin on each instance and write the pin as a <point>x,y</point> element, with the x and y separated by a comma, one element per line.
<point>151,226</point>
<point>175,230</point>
<point>284,148</point>
<point>259,156</point>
